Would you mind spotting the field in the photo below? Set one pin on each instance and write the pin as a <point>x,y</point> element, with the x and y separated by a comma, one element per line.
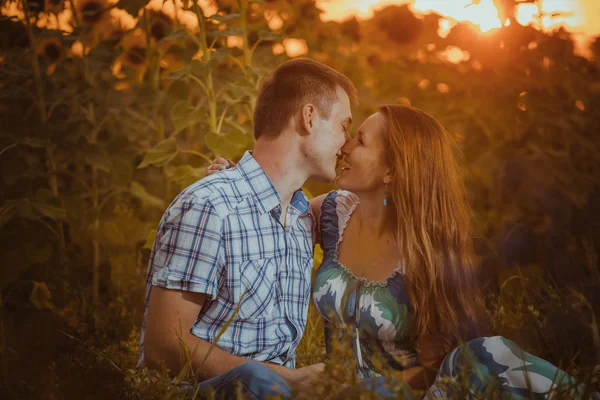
<point>108,111</point>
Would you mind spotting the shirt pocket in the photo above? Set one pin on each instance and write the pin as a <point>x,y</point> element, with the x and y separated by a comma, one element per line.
<point>258,288</point>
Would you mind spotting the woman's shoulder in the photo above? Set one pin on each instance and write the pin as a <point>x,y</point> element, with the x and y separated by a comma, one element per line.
<point>345,201</point>
<point>336,202</point>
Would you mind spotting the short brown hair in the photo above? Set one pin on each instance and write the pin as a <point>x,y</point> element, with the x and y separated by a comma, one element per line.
<point>292,84</point>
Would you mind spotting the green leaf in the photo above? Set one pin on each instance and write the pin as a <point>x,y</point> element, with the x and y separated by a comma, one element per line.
<point>14,262</point>
<point>41,296</point>
<point>183,51</point>
<point>38,254</point>
<point>44,195</point>
<point>123,272</point>
<point>97,158</point>
<point>269,36</point>
<point>179,35</point>
<point>37,210</point>
<point>161,154</point>
<point>183,114</point>
<point>185,175</point>
<point>228,32</point>
<point>139,191</point>
<point>238,138</point>
<point>215,142</point>
<point>224,145</point>
<point>12,169</point>
<point>224,18</point>
<point>103,55</point>
<point>133,7</point>
<point>36,143</point>
<point>177,75</point>
<point>110,234</point>
<point>150,239</point>
<point>50,211</point>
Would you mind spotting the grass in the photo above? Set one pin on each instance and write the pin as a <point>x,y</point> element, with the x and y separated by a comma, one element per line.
<point>554,323</point>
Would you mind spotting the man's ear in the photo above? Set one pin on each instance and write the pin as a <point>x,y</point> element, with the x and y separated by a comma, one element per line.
<point>308,113</point>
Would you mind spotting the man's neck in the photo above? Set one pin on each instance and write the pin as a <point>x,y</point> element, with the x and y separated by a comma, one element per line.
<point>282,163</point>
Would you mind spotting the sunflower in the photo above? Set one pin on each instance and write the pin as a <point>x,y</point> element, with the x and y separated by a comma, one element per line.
<point>35,6</point>
<point>92,12</point>
<point>135,51</point>
<point>160,23</point>
<point>51,49</point>
<point>112,30</point>
<point>54,6</point>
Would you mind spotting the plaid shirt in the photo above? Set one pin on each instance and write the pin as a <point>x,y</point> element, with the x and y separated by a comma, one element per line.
<point>222,236</point>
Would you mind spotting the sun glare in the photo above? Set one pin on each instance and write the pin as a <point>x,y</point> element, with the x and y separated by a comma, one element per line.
<point>546,14</point>
<point>484,13</point>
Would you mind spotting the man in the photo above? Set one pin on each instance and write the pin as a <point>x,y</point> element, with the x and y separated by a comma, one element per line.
<point>237,246</point>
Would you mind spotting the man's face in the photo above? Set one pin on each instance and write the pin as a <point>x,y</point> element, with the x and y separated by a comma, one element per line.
<point>330,135</point>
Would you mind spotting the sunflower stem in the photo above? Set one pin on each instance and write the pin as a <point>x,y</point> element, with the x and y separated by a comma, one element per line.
<point>96,207</point>
<point>210,91</point>
<point>247,52</point>
<point>35,64</point>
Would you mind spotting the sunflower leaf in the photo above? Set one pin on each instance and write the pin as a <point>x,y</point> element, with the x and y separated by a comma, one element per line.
<point>225,18</point>
<point>161,154</point>
<point>183,114</point>
<point>41,296</point>
<point>179,34</point>
<point>228,32</point>
<point>133,7</point>
<point>139,191</point>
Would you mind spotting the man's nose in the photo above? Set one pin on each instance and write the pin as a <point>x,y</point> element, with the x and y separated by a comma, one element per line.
<point>347,137</point>
<point>347,147</point>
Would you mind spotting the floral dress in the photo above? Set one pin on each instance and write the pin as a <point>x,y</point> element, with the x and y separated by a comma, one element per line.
<point>375,319</point>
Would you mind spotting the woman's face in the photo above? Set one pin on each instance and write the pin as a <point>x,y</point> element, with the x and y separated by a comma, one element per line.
<point>365,164</point>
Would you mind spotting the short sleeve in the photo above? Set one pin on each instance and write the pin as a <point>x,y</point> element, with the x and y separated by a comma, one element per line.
<point>336,209</point>
<point>187,251</point>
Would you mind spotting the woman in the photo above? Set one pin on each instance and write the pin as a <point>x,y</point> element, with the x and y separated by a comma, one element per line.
<point>397,282</point>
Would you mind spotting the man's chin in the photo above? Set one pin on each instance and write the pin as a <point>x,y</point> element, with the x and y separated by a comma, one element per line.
<point>324,177</point>
<point>341,183</point>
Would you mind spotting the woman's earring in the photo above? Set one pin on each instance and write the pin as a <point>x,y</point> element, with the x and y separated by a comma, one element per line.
<point>385,197</point>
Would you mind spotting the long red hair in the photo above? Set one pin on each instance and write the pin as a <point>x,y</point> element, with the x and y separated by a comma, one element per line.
<point>433,225</point>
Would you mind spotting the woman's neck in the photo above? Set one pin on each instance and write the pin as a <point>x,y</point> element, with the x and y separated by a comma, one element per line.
<point>375,217</point>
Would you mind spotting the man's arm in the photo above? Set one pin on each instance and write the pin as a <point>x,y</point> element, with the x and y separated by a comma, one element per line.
<point>170,315</point>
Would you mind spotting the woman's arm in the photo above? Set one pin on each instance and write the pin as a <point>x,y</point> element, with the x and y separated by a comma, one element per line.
<point>431,350</point>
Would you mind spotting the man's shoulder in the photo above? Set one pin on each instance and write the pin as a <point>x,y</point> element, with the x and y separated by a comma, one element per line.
<point>219,192</point>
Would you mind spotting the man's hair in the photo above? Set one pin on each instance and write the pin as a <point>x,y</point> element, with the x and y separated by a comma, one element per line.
<point>292,84</point>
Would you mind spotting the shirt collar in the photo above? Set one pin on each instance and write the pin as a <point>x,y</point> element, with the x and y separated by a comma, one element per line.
<point>259,185</point>
<point>300,201</point>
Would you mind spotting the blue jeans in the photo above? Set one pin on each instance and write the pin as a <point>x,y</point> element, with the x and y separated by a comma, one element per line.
<point>252,379</point>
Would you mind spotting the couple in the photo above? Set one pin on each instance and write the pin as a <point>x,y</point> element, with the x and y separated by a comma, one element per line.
<point>232,259</point>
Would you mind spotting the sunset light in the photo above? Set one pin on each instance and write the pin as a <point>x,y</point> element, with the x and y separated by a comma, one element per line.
<point>577,15</point>
<point>580,17</point>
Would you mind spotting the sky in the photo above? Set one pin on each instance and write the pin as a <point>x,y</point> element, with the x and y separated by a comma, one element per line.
<point>582,17</point>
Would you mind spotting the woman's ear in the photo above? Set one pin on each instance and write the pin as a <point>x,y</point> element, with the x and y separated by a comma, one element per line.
<point>387,178</point>
<point>307,115</point>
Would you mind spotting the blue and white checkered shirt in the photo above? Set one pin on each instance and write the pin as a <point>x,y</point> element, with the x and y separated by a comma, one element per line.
<point>222,236</point>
